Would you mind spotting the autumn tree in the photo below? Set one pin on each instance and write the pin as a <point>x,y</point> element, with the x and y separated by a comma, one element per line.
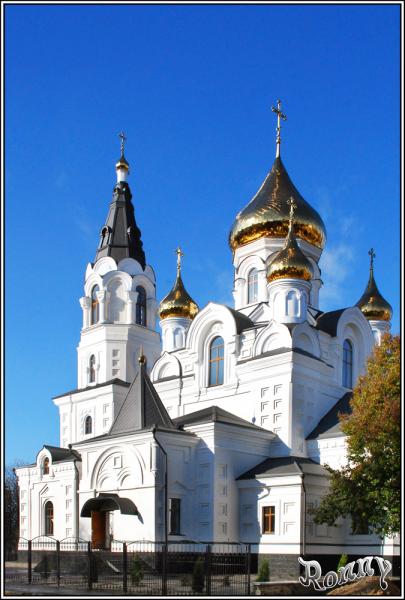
<point>368,487</point>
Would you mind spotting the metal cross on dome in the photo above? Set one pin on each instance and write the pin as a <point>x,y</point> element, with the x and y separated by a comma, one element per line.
<point>372,257</point>
<point>123,139</point>
<point>280,115</point>
<point>179,255</point>
<point>292,206</point>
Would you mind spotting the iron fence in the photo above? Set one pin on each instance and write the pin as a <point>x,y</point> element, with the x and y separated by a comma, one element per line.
<point>137,568</point>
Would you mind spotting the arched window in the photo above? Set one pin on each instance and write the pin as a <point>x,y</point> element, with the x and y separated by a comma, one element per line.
<point>88,425</point>
<point>92,368</point>
<point>49,518</point>
<point>216,373</point>
<point>95,314</point>
<point>347,364</point>
<point>252,286</point>
<point>45,466</point>
<point>141,306</point>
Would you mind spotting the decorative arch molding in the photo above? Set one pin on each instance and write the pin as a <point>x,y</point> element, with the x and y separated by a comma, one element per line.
<point>130,266</point>
<point>272,337</point>
<point>205,319</point>
<point>250,262</point>
<point>214,320</point>
<point>92,280</point>
<point>115,276</point>
<point>101,470</point>
<point>104,265</point>
<point>305,338</point>
<point>166,366</point>
<point>353,326</point>
<point>149,272</point>
<point>144,282</point>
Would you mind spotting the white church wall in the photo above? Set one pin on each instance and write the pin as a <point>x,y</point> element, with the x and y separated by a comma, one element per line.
<point>282,493</point>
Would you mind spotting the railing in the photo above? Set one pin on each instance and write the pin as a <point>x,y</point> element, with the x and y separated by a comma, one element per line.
<point>140,567</point>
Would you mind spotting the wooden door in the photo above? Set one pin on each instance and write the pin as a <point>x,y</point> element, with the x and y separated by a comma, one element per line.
<point>98,529</point>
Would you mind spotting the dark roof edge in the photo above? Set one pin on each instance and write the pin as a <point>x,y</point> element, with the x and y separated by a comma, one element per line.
<point>115,381</point>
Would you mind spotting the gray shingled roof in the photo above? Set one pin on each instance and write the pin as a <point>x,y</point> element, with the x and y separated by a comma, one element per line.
<point>241,320</point>
<point>120,237</point>
<point>62,454</point>
<point>328,321</point>
<point>214,413</point>
<point>115,381</point>
<point>141,409</point>
<point>285,465</point>
<point>329,425</point>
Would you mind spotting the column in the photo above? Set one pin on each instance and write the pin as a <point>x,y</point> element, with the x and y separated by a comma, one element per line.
<point>85,303</point>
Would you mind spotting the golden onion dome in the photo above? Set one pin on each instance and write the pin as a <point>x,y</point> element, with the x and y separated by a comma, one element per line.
<point>267,214</point>
<point>372,304</point>
<point>290,262</point>
<point>122,163</point>
<point>178,303</point>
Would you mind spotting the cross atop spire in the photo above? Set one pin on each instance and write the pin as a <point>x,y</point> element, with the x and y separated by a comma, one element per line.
<point>280,115</point>
<point>123,139</point>
<point>179,255</point>
<point>372,257</point>
<point>292,206</point>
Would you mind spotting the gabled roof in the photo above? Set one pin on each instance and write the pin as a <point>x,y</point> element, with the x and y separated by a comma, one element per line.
<point>62,454</point>
<point>328,321</point>
<point>241,320</point>
<point>329,425</point>
<point>285,465</point>
<point>115,381</point>
<point>120,237</point>
<point>141,409</point>
<point>214,414</point>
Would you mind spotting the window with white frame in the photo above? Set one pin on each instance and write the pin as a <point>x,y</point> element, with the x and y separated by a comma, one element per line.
<point>252,286</point>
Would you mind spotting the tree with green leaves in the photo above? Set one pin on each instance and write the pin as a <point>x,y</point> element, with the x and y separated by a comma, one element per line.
<point>368,487</point>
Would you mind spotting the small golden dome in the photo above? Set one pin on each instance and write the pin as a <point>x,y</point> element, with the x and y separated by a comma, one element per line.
<point>122,163</point>
<point>178,303</point>
<point>266,215</point>
<point>290,262</point>
<point>372,304</point>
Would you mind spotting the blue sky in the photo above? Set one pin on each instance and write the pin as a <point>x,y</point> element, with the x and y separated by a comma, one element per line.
<point>192,88</point>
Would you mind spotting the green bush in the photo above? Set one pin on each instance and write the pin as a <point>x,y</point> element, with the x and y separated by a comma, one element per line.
<point>342,561</point>
<point>225,581</point>
<point>197,583</point>
<point>264,571</point>
<point>135,570</point>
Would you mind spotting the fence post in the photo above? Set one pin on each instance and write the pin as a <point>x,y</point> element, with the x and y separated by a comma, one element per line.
<point>164,569</point>
<point>29,561</point>
<point>89,573</point>
<point>58,562</point>
<point>124,568</point>
<point>248,550</point>
<point>208,570</point>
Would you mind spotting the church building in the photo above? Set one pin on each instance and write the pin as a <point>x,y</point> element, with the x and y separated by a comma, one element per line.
<point>217,429</point>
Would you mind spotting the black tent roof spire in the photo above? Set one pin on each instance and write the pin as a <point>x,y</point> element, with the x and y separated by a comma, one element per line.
<point>121,237</point>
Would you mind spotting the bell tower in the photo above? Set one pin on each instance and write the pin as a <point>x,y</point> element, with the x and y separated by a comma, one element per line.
<point>119,303</point>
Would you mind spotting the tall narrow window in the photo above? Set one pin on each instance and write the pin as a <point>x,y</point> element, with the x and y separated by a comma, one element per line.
<point>216,374</point>
<point>252,286</point>
<point>49,518</point>
<point>268,519</point>
<point>88,425</point>
<point>347,364</point>
<point>174,516</point>
<point>141,306</point>
<point>45,466</point>
<point>92,368</point>
<point>95,313</point>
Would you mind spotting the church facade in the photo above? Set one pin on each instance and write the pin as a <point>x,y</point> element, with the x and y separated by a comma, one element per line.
<point>217,430</point>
